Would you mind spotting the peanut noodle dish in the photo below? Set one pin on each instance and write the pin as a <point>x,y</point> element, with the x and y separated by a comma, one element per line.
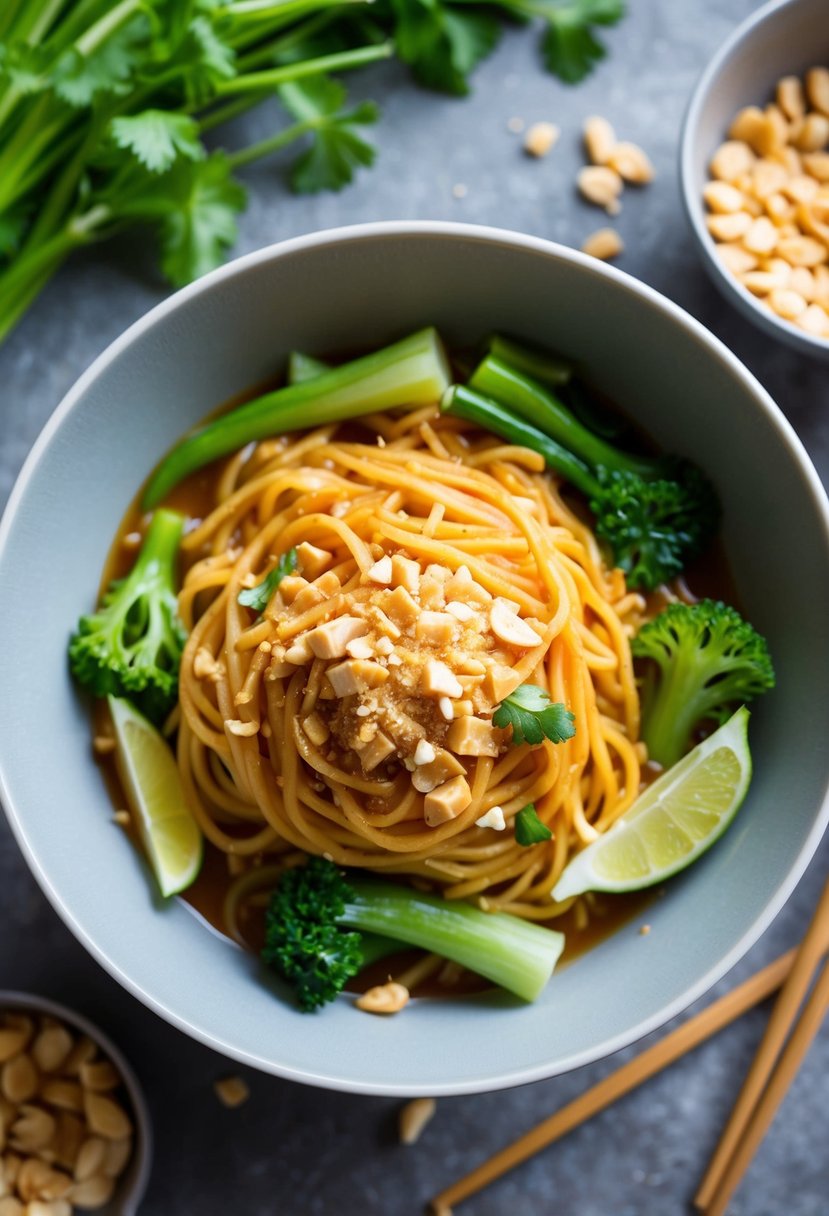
<point>415,670</point>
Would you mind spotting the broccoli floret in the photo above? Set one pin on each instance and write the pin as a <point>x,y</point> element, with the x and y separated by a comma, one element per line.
<point>654,514</point>
<point>309,938</point>
<point>131,647</point>
<point>654,528</point>
<point>705,660</point>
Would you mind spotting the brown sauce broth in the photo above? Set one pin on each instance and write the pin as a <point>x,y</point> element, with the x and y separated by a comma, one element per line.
<point>194,497</point>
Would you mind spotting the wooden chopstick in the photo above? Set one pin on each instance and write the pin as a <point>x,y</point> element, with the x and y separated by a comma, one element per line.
<point>651,1061</point>
<point>784,1073</point>
<point>812,948</point>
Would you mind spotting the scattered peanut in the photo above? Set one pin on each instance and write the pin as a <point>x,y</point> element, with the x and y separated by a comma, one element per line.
<point>232,1091</point>
<point>631,163</point>
<point>599,140</point>
<point>49,1160</point>
<point>384,998</point>
<point>768,201</point>
<point>413,1118</point>
<point>604,244</point>
<point>601,185</point>
<point>541,138</point>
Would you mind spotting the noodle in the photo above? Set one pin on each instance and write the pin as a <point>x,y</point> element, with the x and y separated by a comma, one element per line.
<point>263,739</point>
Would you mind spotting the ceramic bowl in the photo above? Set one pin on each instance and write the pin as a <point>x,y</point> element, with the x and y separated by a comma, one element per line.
<point>133,1182</point>
<point>783,38</point>
<point>343,290</point>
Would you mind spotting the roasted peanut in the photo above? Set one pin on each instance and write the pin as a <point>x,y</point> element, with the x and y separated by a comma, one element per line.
<point>599,139</point>
<point>384,998</point>
<point>601,185</point>
<point>413,1118</point>
<point>604,244</point>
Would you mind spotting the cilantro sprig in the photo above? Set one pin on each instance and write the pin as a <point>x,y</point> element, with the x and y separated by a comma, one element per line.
<point>529,829</point>
<point>258,597</point>
<point>534,717</point>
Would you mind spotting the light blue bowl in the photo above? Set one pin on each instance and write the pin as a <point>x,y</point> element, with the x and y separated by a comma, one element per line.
<point>346,289</point>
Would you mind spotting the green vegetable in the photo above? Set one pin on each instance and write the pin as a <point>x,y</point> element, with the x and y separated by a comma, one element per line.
<point>705,660</point>
<point>411,373</point>
<point>547,369</point>
<point>529,829</point>
<point>443,41</point>
<point>131,647</point>
<point>312,905</point>
<point>104,106</point>
<point>258,597</point>
<point>534,717</point>
<point>514,389</point>
<point>303,367</point>
<point>653,527</point>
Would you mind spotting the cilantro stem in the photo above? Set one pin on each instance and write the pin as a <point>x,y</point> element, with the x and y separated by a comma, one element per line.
<point>246,156</point>
<point>104,28</point>
<point>337,62</point>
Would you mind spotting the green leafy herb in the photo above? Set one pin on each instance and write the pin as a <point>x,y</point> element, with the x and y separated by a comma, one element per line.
<point>104,105</point>
<point>534,717</point>
<point>441,44</point>
<point>157,138</point>
<point>258,597</point>
<point>337,149</point>
<point>571,48</point>
<point>529,829</point>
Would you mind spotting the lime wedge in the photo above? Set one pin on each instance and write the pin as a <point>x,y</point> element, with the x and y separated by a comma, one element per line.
<point>148,771</point>
<point>674,821</point>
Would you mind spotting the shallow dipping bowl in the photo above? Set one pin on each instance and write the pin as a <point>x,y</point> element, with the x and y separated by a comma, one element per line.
<point>363,287</point>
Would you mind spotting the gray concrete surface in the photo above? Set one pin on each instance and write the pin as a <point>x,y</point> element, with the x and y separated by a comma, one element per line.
<point>300,1152</point>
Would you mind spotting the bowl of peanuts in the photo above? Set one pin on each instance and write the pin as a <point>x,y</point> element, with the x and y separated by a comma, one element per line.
<point>74,1127</point>
<point>755,170</point>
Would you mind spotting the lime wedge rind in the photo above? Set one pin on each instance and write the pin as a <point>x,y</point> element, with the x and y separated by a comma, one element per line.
<point>170,835</point>
<point>672,823</point>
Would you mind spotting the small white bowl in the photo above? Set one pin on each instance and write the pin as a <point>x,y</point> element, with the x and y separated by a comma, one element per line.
<point>133,1182</point>
<point>785,37</point>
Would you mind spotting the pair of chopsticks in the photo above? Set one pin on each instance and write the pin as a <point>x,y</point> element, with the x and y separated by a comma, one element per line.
<point>768,1080</point>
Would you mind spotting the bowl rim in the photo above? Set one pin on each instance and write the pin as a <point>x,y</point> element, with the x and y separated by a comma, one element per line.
<point>728,284</point>
<point>12,999</point>
<point>486,235</point>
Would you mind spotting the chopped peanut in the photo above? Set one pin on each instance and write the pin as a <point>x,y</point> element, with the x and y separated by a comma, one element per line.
<point>436,628</point>
<point>601,185</point>
<point>494,818</point>
<point>603,244</point>
<point>447,801</point>
<point>231,1091</point>
<point>405,572</point>
<point>312,561</point>
<point>378,750</point>
<point>509,627</point>
<point>355,675</point>
<point>599,139</point>
<point>429,776</point>
<point>438,680</point>
<point>541,138</point>
<point>380,572</point>
<point>469,736</point>
<point>385,998</point>
<point>631,163</point>
<point>817,88</point>
<point>329,641</point>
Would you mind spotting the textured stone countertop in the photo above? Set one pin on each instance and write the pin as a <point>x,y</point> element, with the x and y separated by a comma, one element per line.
<point>293,1150</point>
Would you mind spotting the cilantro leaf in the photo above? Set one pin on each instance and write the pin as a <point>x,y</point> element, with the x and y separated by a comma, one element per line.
<point>158,137</point>
<point>337,149</point>
<point>529,829</point>
<point>441,44</point>
<point>78,79</point>
<point>258,597</point>
<point>25,67</point>
<point>571,49</point>
<point>534,717</point>
<point>206,58</point>
<point>198,224</point>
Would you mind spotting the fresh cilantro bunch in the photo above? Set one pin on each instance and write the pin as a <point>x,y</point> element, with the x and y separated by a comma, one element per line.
<point>105,109</point>
<point>105,106</point>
